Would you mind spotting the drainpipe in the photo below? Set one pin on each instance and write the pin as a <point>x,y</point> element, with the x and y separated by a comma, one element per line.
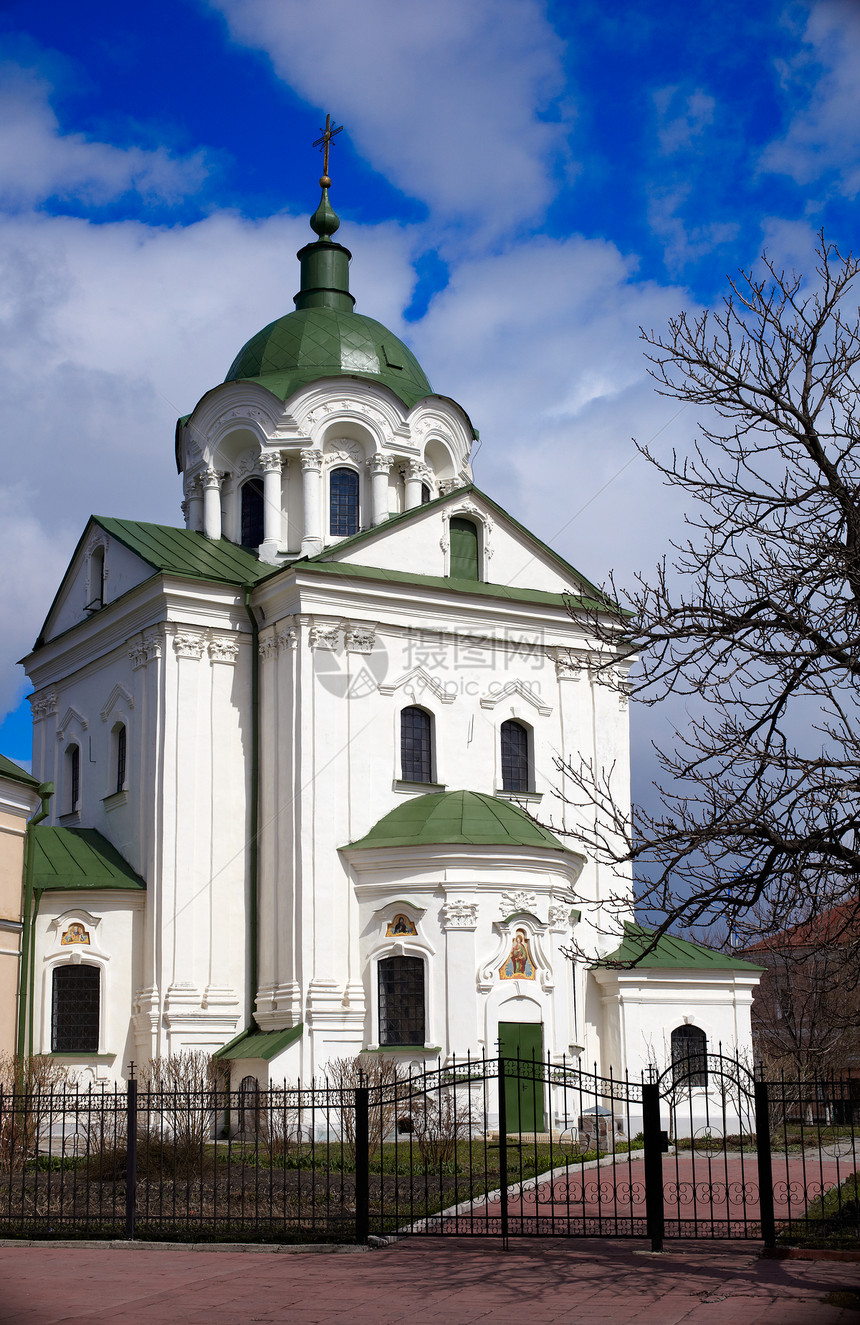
<point>26,983</point>
<point>254,809</point>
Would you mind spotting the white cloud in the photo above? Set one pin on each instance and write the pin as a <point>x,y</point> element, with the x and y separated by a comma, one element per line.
<point>823,135</point>
<point>445,99</point>
<point>681,119</point>
<point>38,162</point>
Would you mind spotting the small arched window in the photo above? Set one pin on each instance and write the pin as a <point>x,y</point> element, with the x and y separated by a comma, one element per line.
<point>689,1056</point>
<point>426,494</point>
<point>75,1009</point>
<point>401,1001</point>
<point>416,745</point>
<point>252,512</point>
<point>516,771</point>
<point>120,751</point>
<point>97,580</point>
<point>73,778</point>
<point>464,549</point>
<point>343,502</point>
<point>249,1105</point>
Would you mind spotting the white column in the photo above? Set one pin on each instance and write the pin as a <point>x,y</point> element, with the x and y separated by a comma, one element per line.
<point>271,463</point>
<point>211,480</point>
<point>379,466</point>
<point>195,504</point>
<point>312,537</point>
<point>416,474</point>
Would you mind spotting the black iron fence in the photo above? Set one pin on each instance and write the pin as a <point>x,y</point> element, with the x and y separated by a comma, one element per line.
<point>488,1147</point>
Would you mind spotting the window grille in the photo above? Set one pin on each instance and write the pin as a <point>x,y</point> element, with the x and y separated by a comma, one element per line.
<point>416,745</point>
<point>252,512</point>
<point>515,757</point>
<point>75,1009</point>
<point>401,1001</point>
<point>689,1056</point>
<point>343,501</point>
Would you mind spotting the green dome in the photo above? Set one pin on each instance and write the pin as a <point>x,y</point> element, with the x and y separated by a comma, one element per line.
<point>452,818</point>
<point>311,343</point>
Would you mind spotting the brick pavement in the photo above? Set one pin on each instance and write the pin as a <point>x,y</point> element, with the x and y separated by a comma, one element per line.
<point>431,1280</point>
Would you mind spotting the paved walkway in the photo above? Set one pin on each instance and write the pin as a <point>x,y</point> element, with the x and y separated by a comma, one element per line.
<point>426,1280</point>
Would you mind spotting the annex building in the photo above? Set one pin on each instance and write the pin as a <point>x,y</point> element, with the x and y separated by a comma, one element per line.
<point>304,750</point>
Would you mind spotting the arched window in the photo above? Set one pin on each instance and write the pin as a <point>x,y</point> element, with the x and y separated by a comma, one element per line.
<point>464,549</point>
<point>252,512</point>
<point>516,773</point>
<point>75,1009</point>
<point>343,502</point>
<point>119,757</point>
<point>426,494</point>
<point>401,1001</point>
<point>97,580</point>
<point>416,745</point>
<point>689,1056</point>
<point>249,1105</point>
<point>73,778</point>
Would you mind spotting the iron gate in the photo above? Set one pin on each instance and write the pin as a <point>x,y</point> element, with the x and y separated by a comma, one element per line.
<point>481,1147</point>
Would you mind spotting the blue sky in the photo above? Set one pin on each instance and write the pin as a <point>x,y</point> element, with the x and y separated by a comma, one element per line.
<point>522,185</point>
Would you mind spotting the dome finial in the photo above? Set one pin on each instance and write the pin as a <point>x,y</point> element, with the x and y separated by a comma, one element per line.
<point>325,219</point>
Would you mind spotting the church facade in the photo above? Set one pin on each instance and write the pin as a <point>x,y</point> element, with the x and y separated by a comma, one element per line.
<point>305,750</point>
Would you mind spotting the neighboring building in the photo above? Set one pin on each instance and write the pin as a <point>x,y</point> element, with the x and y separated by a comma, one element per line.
<point>806,1013</point>
<point>315,722</point>
<point>19,798</point>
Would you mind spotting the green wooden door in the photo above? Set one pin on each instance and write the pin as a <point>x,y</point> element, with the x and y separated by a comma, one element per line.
<point>523,1094</point>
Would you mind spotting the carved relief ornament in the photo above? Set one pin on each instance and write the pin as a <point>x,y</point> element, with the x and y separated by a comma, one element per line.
<point>459,914</point>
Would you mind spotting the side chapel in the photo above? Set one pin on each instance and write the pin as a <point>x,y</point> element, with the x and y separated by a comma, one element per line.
<point>304,744</point>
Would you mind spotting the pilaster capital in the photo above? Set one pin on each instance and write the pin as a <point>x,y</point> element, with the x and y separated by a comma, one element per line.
<point>311,460</point>
<point>460,914</point>
<point>360,638</point>
<point>416,469</point>
<point>43,703</point>
<point>189,644</point>
<point>224,648</point>
<point>324,636</point>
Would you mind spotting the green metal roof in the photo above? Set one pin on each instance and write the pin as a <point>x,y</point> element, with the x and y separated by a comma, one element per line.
<point>311,343</point>
<point>598,598</point>
<point>186,552</point>
<point>260,1044</point>
<point>15,773</point>
<point>670,953</point>
<point>348,570</point>
<point>79,858</point>
<point>450,818</point>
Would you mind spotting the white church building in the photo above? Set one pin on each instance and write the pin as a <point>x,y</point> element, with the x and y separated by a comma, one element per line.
<point>304,751</point>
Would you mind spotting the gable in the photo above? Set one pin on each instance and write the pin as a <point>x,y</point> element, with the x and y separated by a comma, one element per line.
<point>429,541</point>
<point>78,592</point>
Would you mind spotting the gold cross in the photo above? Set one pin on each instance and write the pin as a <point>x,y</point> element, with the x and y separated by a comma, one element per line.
<point>323,144</point>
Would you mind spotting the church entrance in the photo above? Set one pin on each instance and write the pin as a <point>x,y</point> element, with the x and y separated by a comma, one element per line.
<point>523,1042</point>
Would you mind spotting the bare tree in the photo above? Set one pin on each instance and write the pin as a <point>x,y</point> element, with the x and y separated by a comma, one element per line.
<point>756,624</point>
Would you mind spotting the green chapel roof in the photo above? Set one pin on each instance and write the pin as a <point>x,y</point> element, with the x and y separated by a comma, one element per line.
<point>15,773</point>
<point>453,818</point>
<point>669,953</point>
<point>79,859</point>
<point>179,551</point>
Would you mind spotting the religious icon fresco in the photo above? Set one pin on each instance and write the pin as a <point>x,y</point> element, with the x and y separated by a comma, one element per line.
<point>519,965</point>
<point>75,934</point>
<point>400,925</point>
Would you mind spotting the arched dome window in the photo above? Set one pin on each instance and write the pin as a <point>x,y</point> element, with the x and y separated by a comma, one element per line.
<point>73,779</point>
<point>426,494</point>
<point>252,512</point>
<point>343,502</point>
<point>464,549</point>
<point>516,771</point>
<point>416,745</point>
